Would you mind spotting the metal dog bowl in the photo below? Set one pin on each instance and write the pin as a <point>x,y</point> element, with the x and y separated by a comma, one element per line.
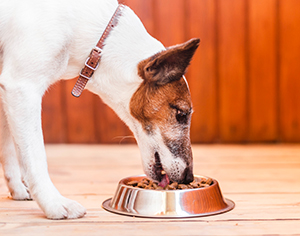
<point>139,202</point>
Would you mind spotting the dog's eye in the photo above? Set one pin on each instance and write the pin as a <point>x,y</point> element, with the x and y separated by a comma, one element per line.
<point>181,117</point>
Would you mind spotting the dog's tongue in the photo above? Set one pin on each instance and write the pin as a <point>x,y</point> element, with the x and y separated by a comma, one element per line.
<point>164,181</point>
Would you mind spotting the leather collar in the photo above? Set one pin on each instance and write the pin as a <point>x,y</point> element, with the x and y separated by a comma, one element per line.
<point>92,62</point>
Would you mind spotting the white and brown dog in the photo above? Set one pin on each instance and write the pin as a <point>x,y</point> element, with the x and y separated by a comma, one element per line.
<point>42,42</point>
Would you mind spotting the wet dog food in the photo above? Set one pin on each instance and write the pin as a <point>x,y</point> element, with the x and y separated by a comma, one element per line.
<point>146,183</point>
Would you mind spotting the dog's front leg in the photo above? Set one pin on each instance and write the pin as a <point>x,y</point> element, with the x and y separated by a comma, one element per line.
<point>22,105</point>
<point>10,163</point>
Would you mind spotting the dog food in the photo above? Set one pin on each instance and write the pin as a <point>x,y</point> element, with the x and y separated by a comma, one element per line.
<point>146,183</point>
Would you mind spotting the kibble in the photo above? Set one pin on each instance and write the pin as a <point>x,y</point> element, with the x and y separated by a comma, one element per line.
<point>146,183</point>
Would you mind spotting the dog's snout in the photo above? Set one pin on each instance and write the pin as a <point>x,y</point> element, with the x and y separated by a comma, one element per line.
<point>188,175</point>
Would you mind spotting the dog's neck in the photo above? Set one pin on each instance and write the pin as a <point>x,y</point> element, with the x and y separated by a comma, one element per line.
<point>117,79</point>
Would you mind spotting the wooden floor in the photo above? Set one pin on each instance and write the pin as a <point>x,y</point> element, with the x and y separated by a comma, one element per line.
<point>263,181</point>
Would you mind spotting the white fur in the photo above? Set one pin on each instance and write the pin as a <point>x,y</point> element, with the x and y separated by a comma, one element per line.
<point>42,42</point>
<point>154,143</point>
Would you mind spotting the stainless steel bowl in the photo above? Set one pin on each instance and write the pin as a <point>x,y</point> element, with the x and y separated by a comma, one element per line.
<point>139,202</point>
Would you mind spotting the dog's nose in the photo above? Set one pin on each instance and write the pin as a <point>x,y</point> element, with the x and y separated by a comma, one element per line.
<point>188,175</point>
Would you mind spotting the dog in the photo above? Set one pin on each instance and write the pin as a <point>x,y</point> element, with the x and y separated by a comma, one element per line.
<point>42,42</point>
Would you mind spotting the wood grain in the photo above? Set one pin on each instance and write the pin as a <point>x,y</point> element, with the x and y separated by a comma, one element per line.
<point>145,11</point>
<point>263,181</point>
<point>108,126</point>
<point>263,84</point>
<point>80,115</point>
<point>232,70</point>
<point>289,50</point>
<point>170,21</point>
<point>202,74</point>
<point>54,114</point>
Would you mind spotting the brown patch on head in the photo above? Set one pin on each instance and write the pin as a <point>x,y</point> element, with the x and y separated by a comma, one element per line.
<point>159,105</point>
<point>167,108</point>
<point>164,94</point>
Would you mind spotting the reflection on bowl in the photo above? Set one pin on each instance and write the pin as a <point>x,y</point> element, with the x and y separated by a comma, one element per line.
<point>139,202</point>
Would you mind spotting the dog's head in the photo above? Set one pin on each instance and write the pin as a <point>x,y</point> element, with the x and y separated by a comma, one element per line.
<point>163,108</point>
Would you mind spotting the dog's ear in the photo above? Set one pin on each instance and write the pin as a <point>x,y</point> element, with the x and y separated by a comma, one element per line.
<point>168,65</point>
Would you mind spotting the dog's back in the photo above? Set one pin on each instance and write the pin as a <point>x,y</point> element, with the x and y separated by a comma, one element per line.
<point>45,28</point>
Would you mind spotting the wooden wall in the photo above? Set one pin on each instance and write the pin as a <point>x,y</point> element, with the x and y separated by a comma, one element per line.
<point>244,78</point>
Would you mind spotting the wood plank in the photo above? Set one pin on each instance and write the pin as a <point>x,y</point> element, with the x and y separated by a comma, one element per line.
<point>263,71</point>
<point>54,115</point>
<point>232,70</point>
<point>170,21</point>
<point>161,227</point>
<point>108,126</point>
<point>202,74</point>
<point>145,11</point>
<point>80,115</point>
<point>289,29</point>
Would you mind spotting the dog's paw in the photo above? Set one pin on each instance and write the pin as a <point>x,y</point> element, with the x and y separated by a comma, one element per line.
<point>19,192</point>
<point>64,208</point>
